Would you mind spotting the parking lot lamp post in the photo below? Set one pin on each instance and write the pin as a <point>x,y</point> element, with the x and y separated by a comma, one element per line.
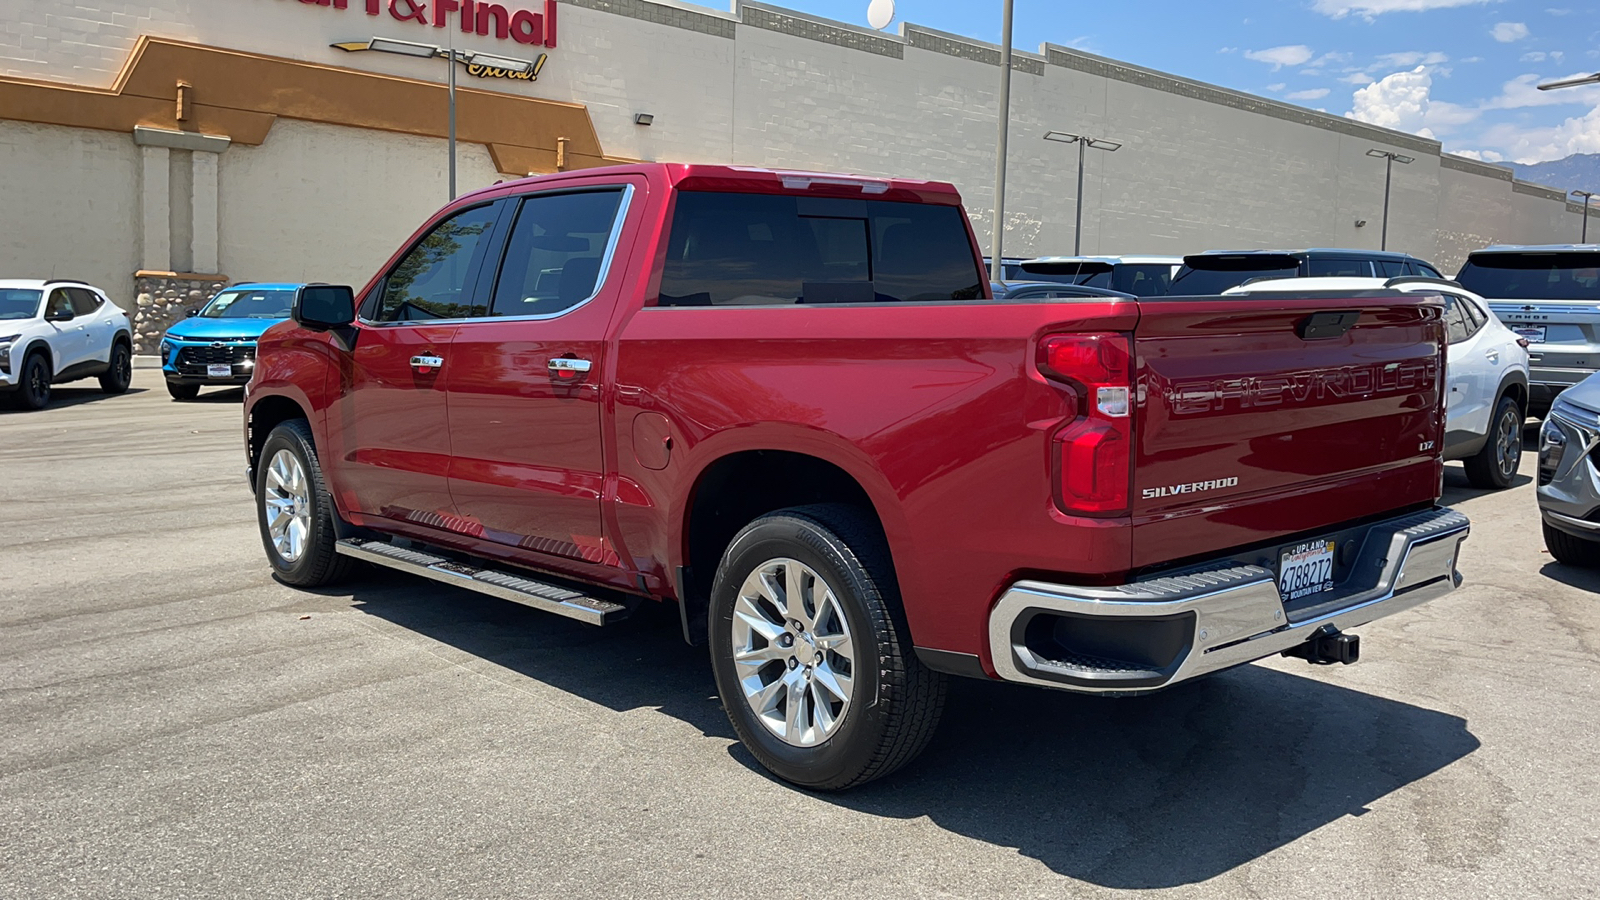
<point>1585,195</point>
<point>1389,158</point>
<point>431,51</point>
<point>996,268</point>
<point>1579,81</point>
<point>1084,143</point>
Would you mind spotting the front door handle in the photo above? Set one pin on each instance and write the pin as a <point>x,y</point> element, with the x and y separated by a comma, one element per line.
<point>569,369</point>
<point>425,364</point>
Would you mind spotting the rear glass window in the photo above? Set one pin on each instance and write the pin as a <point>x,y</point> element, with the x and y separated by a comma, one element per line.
<point>1533,276</point>
<point>1326,268</point>
<point>18,304</point>
<point>762,250</point>
<point>1193,282</point>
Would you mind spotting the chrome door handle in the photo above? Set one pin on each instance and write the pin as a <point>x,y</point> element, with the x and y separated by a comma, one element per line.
<point>426,362</point>
<point>566,368</point>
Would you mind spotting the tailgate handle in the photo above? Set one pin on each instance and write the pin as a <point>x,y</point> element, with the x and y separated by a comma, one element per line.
<point>1324,325</point>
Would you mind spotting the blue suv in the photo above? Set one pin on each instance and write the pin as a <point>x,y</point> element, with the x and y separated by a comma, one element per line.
<point>216,345</point>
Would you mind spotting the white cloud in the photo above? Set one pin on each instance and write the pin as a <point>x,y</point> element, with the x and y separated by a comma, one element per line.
<point>1276,87</point>
<point>1580,134</point>
<point>1361,78</point>
<point>1522,92</point>
<point>1488,156</point>
<point>1313,94</point>
<point>1409,58</point>
<point>1508,32</point>
<point>1370,9</point>
<point>1403,101</point>
<point>1290,55</point>
<point>1559,12</point>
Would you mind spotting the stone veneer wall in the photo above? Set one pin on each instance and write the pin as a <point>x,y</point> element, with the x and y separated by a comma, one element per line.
<point>165,297</point>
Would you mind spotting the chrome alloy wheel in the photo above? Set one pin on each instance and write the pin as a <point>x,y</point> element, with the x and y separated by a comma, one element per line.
<point>288,505</point>
<point>1508,442</point>
<point>792,652</point>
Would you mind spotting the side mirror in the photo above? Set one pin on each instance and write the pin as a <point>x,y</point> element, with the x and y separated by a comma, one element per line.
<point>61,315</point>
<point>324,306</point>
<point>193,312</point>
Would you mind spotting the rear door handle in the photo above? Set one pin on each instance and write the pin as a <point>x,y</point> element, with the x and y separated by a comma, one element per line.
<point>424,363</point>
<point>1494,355</point>
<point>563,367</point>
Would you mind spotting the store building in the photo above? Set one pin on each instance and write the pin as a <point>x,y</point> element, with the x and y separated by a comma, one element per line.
<point>161,147</point>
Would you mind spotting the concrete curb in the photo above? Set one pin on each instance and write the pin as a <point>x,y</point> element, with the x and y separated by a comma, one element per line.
<point>141,361</point>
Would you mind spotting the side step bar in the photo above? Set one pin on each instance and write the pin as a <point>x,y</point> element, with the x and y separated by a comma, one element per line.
<point>516,588</point>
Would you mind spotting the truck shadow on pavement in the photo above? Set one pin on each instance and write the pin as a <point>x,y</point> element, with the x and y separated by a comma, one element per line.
<point>1148,792</point>
<point>62,397</point>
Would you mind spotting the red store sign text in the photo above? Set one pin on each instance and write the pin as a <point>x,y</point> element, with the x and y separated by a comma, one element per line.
<point>476,17</point>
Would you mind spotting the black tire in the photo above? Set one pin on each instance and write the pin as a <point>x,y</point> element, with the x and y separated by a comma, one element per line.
<point>33,383</point>
<point>317,564</point>
<point>183,391</point>
<point>1571,550</point>
<point>895,702</point>
<point>119,374</point>
<point>1495,466</point>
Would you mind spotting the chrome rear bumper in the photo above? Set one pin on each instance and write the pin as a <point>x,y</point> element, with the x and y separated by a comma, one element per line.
<point>1152,634</point>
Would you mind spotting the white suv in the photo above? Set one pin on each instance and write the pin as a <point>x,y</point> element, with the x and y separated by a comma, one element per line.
<point>1486,369</point>
<point>56,331</point>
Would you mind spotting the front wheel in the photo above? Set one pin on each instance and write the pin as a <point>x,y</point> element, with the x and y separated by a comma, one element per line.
<point>33,388</point>
<point>1495,466</point>
<point>1571,550</point>
<point>295,511</point>
<point>811,653</point>
<point>119,374</point>
<point>183,391</point>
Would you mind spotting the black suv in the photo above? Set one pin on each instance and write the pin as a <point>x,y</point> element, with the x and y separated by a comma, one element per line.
<point>1215,271</point>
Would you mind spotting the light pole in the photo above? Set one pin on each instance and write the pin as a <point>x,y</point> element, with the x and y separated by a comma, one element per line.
<point>1084,142</point>
<point>431,51</point>
<point>1570,82</point>
<point>1389,158</point>
<point>1585,195</point>
<point>995,267</point>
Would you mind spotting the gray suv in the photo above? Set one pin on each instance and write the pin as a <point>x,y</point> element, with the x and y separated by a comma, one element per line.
<point>1569,475</point>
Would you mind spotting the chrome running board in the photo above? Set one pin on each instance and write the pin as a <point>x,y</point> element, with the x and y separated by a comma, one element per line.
<point>516,588</point>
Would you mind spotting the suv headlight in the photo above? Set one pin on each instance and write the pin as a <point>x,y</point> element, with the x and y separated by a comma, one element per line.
<point>166,349</point>
<point>5,350</point>
<point>1552,448</point>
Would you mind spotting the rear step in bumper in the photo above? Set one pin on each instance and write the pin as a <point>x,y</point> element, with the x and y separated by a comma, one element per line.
<point>516,588</point>
<point>1151,634</point>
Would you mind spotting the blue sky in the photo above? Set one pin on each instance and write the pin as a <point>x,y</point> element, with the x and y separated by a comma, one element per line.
<point>1461,71</point>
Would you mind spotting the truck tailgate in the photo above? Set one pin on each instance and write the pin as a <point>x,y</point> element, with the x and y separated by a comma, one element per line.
<point>1254,428</point>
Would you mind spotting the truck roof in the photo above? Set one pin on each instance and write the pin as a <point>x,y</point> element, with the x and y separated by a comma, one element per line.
<point>1537,248</point>
<point>752,179</point>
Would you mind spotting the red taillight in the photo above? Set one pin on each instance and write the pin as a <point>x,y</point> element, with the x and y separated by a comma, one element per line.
<point>1093,454</point>
<point>1523,343</point>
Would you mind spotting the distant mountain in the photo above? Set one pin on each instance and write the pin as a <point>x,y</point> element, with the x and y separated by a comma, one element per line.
<point>1580,171</point>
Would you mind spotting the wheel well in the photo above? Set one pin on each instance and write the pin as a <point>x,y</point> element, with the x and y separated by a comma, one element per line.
<point>267,414</point>
<point>122,338</point>
<point>1518,391</point>
<point>742,486</point>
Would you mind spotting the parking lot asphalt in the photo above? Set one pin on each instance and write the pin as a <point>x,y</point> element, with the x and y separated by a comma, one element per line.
<point>175,723</point>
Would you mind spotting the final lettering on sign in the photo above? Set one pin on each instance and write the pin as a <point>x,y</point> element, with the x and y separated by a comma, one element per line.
<point>473,16</point>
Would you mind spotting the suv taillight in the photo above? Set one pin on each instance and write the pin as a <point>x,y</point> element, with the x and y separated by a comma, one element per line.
<point>1092,455</point>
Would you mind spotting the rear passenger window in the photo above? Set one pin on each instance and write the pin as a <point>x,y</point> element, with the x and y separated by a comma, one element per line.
<point>1338,267</point>
<point>762,250</point>
<point>84,301</point>
<point>431,282</point>
<point>556,252</point>
<point>1391,268</point>
<point>1427,271</point>
<point>1476,318</point>
<point>1456,326</point>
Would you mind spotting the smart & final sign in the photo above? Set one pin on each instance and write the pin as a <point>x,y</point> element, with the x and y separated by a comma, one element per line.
<point>471,16</point>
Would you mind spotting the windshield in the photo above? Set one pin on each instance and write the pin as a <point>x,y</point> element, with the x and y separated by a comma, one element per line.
<point>18,304</point>
<point>250,305</point>
<point>1533,276</point>
<point>1195,282</point>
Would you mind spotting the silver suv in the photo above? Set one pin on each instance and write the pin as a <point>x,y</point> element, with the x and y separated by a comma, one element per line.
<point>1569,475</point>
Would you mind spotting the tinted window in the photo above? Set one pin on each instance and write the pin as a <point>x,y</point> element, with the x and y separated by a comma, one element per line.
<point>554,256</point>
<point>1456,327</point>
<point>1338,267</point>
<point>249,305</point>
<point>431,281</point>
<point>1142,280</point>
<point>1392,268</point>
<point>16,303</point>
<point>84,301</point>
<point>59,303</point>
<point>757,249</point>
<point>1533,276</point>
<point>1193,282</point>
<point>1476,318</point>
<point>1427,271</point>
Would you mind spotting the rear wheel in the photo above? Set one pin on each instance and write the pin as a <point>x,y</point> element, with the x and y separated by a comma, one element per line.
<point>1495,466</point>
<point>295,511</point>
<point>119,374</point>
<point>183,391</point>
<point>33,387</point>
<point>1569,549</point>
<point>811,653</point>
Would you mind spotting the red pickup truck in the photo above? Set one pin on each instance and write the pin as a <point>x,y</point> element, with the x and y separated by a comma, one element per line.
<point>788,403</point>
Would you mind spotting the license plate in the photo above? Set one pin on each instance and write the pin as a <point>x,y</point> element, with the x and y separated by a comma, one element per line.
<point>1306,569</point>
<point>1534,333</point>
<point>219,371</point>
